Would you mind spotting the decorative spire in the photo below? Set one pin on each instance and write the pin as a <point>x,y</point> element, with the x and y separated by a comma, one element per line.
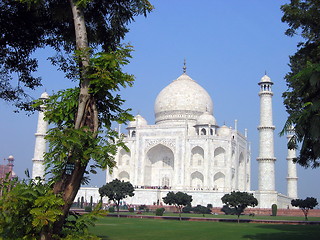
<point>184,66</point>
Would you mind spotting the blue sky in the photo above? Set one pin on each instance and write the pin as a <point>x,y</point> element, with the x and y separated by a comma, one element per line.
<point>228,46</point>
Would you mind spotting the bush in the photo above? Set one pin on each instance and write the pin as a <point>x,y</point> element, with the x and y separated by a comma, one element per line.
<point>147,210</point>
<point>111,209</point>
<point>187,209</point>
<point>88,209</point>
<point>274,209</point>
<point>142,207</point>
<point>201,210</point>
<point>209,205</point>
<point>228,211</point>
<point>160,211</point>
<point>131,209</point>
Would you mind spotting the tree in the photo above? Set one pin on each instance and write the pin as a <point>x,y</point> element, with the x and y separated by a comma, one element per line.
<point>302,99</point>
<point>116,191</point>
<point>86,37</point>
<point>179,200</point>
<point>305,205</point>
<point>239,201</point>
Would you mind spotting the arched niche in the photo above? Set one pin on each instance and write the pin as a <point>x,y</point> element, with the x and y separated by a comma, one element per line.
<point>219,181</point>
<point>159,163</point>
<point>196,180</point>
<point>124,176</point>
<point>124,157</point>
<point>241,173</point>
<point>197,156</point>
<point>219,157</point>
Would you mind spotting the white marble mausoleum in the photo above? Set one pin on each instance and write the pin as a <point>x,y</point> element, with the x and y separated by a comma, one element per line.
<point>187,150</point>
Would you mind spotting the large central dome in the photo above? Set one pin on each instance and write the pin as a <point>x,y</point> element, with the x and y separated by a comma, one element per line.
<point>183,99</point>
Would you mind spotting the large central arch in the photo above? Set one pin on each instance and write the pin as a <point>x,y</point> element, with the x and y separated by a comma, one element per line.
<point>159,166</point>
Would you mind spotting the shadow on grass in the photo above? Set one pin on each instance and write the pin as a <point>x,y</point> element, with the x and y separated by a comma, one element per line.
<point>286,232</point>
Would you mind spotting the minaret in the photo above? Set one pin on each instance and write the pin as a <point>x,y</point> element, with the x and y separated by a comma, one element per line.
<point>266,128</point>
<point>10,165</point>
<point>292,179</point>
<point>38,168</point>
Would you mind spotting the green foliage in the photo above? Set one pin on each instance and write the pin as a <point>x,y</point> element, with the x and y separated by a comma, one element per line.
<point>274,208</point>
<point>142,207</point>
<point>305,205</point>
<point>179,200</point>
<point>111,209</point>
<point>209,205</point>
<point>228,211</point>
<point>29,202</point>
<point>187,209</point>
<point>302,99</point>
<point>201,210</point>
<point>160,211</point>
<point>88,209</point>
<point>239,201</point>
<point>77,226</point>
<point>131,209</point>
<point>30,25</point>
<point>116,191</point>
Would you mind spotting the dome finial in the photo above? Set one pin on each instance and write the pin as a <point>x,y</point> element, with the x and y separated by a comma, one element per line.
<point>184,66</point>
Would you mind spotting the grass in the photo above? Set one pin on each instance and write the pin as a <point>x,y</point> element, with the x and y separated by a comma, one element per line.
<point>110,228</point>
<point>294,218</point>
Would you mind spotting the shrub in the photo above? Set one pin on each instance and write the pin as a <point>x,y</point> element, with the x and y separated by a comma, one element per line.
<point>111,209</point>
<point>88,209</point>
<point>201,210</point>
<point>187,209</point>
<point>147,210</point>
<point>142,207</point>
<point>160,211</point>
<point>274,209</point>
<point>209,205</point>
<point>131,209</point>
<point>228,211</point>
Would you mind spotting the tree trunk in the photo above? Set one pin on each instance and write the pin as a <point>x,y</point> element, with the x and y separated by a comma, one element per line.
<point>86,115</point>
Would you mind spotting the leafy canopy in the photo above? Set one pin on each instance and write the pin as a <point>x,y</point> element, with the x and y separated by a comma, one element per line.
<point>305,204</point>
<point>28,25</point>
<point>239,201</point>
<point>117,190</point>
<point>178,199</point>
<point>302,98</point>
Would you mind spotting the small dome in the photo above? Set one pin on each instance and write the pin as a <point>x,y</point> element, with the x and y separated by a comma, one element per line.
<point>138,122</point>
<point>265,79</point>
<point>206,119</point>
<point>44,95</point>
<point>183,98</point>
<point>223,131</point>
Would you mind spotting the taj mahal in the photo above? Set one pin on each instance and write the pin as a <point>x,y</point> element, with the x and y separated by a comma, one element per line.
<point>186,150</point>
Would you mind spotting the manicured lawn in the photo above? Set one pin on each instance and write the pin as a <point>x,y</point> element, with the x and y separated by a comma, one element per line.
<point>294,218</point>
<point>111,228</point>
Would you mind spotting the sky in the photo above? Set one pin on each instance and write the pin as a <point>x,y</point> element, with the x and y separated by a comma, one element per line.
<point>228,46</point>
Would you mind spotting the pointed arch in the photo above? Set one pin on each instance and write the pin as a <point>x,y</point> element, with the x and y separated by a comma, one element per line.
<point>219,157</point>
<point>197,156</point>
<point>159,163</point>
<point>242,173</point>
<point>219,181</point>
<point>124,175</point>
<point>124,157</point>
<point>196,180</point>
